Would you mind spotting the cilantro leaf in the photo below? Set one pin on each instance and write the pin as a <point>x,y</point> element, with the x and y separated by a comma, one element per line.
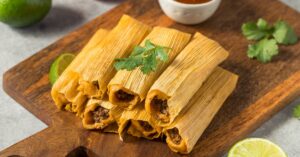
<point>256,31</point>
<point>284,33</point>
<point>129,63</point>
<point>296,112</point>
<point>137,51</point>
<point>160,52</point>
<point>149,64</point>
<point>264,50</point>
<point>267,36</point>
<point>146,58</point>
<point>262,24</point>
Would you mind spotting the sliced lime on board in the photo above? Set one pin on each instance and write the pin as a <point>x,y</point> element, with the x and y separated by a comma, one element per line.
<point>256,147</point>
<point>59,65</point>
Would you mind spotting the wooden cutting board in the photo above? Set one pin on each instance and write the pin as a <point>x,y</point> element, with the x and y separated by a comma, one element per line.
<point>262,91</point>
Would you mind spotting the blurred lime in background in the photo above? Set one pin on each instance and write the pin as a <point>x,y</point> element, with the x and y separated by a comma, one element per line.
<point>22,13</point>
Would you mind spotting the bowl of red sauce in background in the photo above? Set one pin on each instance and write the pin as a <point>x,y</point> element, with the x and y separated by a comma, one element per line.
<point>189,11</point>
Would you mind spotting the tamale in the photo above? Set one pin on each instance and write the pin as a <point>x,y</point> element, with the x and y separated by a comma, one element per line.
<point>97,114</point>
<point>98,70</point>
<point>172,91</point>
<point>94,70</point>
<point>187,128</point>
<point>137,122</point>
<point>129,88</point>
<point>64,91</point>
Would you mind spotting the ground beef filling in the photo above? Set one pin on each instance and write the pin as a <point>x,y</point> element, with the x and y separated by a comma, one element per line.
<point>162,107</point>
<point>174,135</point>
<point>100,114</point>
<point>96,84</point>
<point>145,125</point>
<point>123,96</point>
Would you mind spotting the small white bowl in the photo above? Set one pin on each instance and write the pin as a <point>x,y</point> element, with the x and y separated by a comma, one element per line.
<point>189,13</point>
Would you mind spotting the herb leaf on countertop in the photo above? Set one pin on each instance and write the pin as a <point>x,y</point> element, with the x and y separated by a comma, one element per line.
<point>296,112</point>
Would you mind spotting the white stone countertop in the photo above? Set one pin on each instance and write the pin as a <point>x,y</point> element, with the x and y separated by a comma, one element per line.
<point>16,123</point>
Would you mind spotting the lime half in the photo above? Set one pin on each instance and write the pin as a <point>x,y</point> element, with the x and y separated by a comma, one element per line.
<point>256,147</point>
<point>59,65</point>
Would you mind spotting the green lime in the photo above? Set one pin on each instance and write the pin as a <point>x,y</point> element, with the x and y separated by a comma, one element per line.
<point>256,147</point>
<point>59,65</point>
<point>21,13</point>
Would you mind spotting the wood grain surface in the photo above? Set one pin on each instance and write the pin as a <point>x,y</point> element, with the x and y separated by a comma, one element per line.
<point>262,91</point>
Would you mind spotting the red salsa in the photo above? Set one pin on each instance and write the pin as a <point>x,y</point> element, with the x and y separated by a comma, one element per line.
<point>193,1</point>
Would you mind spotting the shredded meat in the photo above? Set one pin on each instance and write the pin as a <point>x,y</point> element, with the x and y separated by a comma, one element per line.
<point>145,125</point>
<point>174,135</point>
<point>96,84</point>
<point>123,96</point>
<point>100,114</point>
<point>162,107</point>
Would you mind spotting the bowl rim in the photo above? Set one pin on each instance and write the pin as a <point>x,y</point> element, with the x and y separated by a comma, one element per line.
<point>192,5</point>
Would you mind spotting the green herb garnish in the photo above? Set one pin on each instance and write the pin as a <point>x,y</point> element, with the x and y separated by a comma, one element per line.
<point>284,33</point>
<point>256,31</point>
<point>296,112</point>
<point>146,58</point>
<point>264,50</point>
<point>268,37</point>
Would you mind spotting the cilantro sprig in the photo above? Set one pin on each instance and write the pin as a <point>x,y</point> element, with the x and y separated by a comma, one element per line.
<point>296,112</point>
<point>268,38</point>
<point>146,58</point>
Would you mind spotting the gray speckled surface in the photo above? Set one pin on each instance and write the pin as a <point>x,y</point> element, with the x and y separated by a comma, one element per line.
<point>17,44</point>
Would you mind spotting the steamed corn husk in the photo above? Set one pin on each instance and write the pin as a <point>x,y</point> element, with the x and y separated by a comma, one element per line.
<point>181,80</point>
<point>192,122</point>
<point>135,82</point>
<point>92,72</point>
<point>130,123</point>
<point>64,92</point>
<point>88,120</point>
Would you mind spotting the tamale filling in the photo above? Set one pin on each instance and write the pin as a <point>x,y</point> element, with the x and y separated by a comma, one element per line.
<point>96,84</point>
<point>124,96</point>
<point>145,125</point>
<point>161,109</point>
<point>174,136</point>
<point>100,113</point>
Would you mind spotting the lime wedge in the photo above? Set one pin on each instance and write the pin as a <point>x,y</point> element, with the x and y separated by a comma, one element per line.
<point>256,147</point>
<point>59,65</point>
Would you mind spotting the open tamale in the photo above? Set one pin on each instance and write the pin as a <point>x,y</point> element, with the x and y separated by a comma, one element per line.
<point>129,88</point>
<point>137,122</point>
<point>187,128</point>
<point>174,88</point>
<point>94,70</point>
<point>64,92</point>
<point>97,114</point>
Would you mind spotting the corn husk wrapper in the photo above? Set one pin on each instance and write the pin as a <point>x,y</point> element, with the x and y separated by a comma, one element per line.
<point>181,80</point>
<point>135,82</point>
<point>64,92</point>
<point>130,123</point>
<point>88,120</point>
<point>192,122</point>
<point>116,113</point>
